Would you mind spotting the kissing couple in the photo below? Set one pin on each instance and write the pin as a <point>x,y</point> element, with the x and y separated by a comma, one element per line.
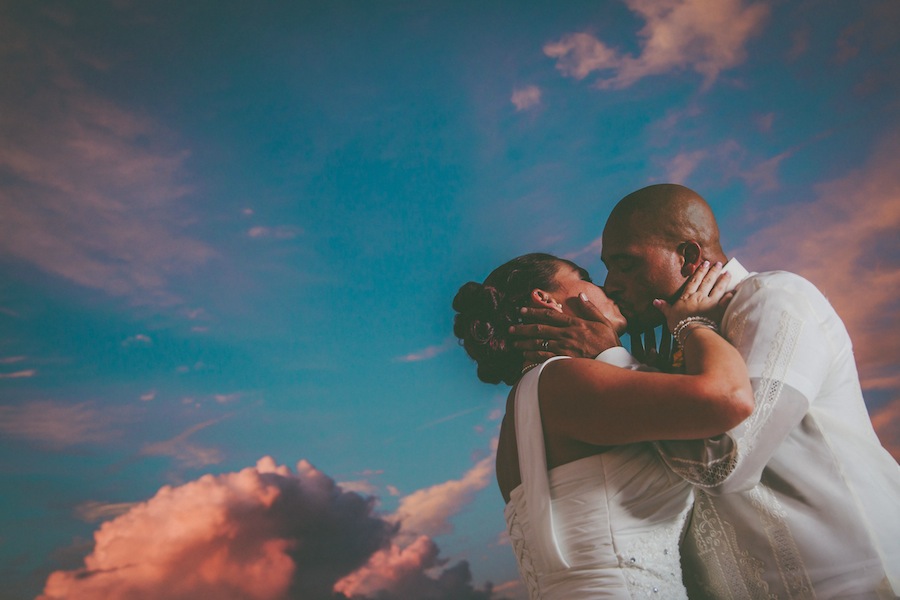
<point>748,470</point>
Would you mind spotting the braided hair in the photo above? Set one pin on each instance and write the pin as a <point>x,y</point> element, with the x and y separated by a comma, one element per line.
<point>485,311</point>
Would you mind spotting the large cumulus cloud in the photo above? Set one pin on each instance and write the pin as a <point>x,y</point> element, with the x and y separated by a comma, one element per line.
<point>263,533</point>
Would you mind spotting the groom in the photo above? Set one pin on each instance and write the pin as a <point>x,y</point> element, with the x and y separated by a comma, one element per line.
<point>809,505</point>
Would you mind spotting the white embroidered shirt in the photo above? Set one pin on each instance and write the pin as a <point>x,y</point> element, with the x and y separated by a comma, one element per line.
<point>800,500</point>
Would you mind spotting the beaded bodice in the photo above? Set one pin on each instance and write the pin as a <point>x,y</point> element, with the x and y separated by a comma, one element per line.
<point>605,526</point>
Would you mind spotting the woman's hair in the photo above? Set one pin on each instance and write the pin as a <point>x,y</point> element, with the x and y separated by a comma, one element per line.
<point>486,310</point>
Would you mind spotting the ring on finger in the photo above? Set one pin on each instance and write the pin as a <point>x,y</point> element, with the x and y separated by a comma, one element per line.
<point>545,345</point>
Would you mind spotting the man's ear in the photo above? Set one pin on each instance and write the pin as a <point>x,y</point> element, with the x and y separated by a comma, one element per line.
<point>543,299</point>
<point>691,253</point>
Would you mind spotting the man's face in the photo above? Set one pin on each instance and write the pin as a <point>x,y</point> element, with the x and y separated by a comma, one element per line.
<point>641,269</point>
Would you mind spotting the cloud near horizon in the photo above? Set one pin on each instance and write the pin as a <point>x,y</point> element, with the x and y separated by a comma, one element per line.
<point>708,36</point>
<point>267,533</point>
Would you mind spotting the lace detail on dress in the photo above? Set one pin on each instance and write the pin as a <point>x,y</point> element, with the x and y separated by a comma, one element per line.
<point>523,557</point>
<point>651,565</point>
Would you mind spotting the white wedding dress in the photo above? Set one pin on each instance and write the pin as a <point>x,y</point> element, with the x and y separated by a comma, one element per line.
<point>604,526</point>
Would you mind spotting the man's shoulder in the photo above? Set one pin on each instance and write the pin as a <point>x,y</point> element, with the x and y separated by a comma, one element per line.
<point>774,281</point>
<point>780,288</point>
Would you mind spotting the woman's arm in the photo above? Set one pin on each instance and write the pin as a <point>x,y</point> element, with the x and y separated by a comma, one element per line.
<point>599,404</point>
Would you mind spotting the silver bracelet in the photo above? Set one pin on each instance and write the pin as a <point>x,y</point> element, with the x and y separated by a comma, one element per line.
<point>684,324</point>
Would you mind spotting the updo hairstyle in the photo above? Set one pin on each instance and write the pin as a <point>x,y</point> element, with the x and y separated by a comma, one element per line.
<point>486,310</point>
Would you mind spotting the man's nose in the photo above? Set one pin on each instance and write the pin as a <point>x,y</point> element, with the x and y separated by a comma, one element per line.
<point>612,286</point>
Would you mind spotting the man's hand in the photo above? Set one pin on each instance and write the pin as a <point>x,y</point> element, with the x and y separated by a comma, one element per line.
<point>547,333</point>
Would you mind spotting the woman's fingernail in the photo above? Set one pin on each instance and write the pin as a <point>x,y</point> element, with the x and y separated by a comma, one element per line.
<point>583,297</point>
<point>705,263</point>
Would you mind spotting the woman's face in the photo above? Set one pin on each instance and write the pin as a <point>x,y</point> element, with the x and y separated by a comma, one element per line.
<point>572,282</point>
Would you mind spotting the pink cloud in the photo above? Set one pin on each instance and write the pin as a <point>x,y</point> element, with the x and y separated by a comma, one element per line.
<point>59,425</point>
<point>428,511</point>
<point>708,36</point>
<point>263,533</point>
<point>401,572</point>
<point>886,421</point>
<point>282,232</point>
<point>9,360</point>
<point>844,241</point>
<point>683,164</point>
<point>186,453</point>
<point>527,97</point>
<point>420,515</point>
<point>93,511</point>
<point>388,567</point>
<point>428,352</point>
<point>92,192</point>
<point>23,374</point>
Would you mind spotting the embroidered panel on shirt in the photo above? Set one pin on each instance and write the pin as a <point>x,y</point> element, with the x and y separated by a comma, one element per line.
<point>766,394</point>
<point>794,578</point>
<point>733,572</point>
<point>700,473</point>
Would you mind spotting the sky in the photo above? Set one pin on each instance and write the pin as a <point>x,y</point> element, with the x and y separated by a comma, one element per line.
<point>231,232</point>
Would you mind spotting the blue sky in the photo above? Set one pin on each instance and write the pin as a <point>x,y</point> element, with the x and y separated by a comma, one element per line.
<point>231,231</point>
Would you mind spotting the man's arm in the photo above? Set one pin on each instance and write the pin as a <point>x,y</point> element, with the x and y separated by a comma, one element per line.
<point>778,332</point>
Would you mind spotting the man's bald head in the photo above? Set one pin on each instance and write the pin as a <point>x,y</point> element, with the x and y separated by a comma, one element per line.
<point>654,239</point>
<point>668,213</point>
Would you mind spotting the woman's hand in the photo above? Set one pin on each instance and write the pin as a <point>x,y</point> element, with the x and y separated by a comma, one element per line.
<point>703,295</point>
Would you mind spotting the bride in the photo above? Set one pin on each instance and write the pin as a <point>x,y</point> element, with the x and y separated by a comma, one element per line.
<point>591,510</point>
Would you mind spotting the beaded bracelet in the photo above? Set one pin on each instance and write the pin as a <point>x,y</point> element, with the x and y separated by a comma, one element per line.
<point>682,327</point>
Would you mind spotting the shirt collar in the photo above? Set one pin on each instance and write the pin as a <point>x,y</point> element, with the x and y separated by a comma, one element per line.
<point>738,273</point>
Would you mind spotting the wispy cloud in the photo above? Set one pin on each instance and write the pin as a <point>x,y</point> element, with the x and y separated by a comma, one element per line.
<point>683,164</point>
<point>183,451</point>
<point>844,241</point>
<point>137,340</point>
<point>526,98</point>
<point>59,425</point>
<point>93,511</point>
<point>707,36</point>
<point>91,190</point>
<point>23,374</point>
<point>429,352</point>
<point>455,415</point>
<point>592,250</point>
<point>281,232</point>
<point>10,360</point>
